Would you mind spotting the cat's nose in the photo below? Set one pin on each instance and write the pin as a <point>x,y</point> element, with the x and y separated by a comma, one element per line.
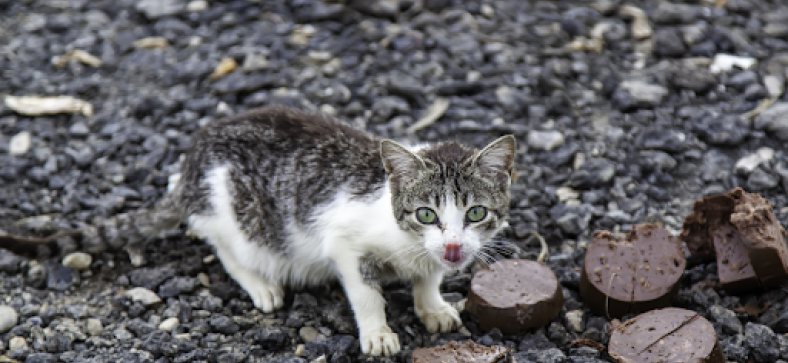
<point>452,253</point>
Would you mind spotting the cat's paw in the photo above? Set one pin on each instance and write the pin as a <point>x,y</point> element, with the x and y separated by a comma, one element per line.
<point>381,341</point>
<point>440,319</point>
<point>266,297</point>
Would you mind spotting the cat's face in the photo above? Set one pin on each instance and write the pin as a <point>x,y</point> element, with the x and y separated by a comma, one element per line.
<point>451,198</point>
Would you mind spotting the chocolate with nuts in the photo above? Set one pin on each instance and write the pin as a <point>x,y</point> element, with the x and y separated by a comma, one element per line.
<point>515,295</point>
<point>665,335</point>
<point>631,275</point>
<point>468,352</point>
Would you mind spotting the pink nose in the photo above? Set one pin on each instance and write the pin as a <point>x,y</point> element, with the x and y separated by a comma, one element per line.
<point>453,253</point>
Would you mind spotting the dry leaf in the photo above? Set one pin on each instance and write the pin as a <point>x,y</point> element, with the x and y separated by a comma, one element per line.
<point>79,55</point>
<point>151,42</point>
<point>224,67</point>
<point>752,309</point>
<point>37,106</point>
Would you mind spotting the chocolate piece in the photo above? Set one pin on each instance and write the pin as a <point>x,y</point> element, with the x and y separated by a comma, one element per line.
<point>763,237</point>
<point>707,214</point>
<point>665,335</point>
<point>469,352</point>
<point>733,264</point>
<point>515,295</point>
<point>755,248</point>
<point>632,275</point>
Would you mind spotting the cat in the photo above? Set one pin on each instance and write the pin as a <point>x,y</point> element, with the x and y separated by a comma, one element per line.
<point>291,198</point>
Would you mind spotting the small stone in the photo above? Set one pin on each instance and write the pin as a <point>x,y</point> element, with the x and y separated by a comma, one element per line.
<point>20,143</point>
<point>78,261</point>
<point>639,94</point>
<point>765,345</point>
<point>574,320</point>
<point>308,334</point>
<point>726,62</point>
<point>774,120</point>
<point>545,140</point>
<point>204,279</point>
<point>726,319</point>
<point>155,9</point>
<point>94,327</point>
<point>8,318</point>
<point>654,159</point>
<point>122,334</point>
<point>9,263</point>
<point>143,295</point>
<point>197,6</point>
<point>669,43</point>
<point>79,129</point>
<point>17,343</point>
<point>169,324</point>
<point>224,325</point>
<point>761,180</point>
<point>750,162</point>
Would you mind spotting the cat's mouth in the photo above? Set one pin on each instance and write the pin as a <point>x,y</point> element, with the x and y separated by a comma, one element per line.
<point>453,257</point>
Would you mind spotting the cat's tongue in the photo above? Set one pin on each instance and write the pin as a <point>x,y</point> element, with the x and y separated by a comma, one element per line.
<point>453,253</point>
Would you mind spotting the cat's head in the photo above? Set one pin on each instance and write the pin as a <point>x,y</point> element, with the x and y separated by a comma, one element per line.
<point>452,198</point>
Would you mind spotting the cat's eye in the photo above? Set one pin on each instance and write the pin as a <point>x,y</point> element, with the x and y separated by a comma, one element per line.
<point>476,214</point>
<point>426,215</point>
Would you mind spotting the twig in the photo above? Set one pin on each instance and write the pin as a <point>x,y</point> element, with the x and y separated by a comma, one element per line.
<point>545,249</point>
<point>432,114</point>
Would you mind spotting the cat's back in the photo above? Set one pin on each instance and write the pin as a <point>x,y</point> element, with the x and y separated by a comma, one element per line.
<point>283,159</point>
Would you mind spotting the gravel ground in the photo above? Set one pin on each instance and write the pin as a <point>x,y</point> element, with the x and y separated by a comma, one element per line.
<point>619,116</point>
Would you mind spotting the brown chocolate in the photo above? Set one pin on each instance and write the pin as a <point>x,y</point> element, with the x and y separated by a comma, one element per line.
<point>468,352</point>
<point>665,335</point>
<point>763,237</point>
<point>632,275</point>
<point>743,228</point>
<point>733,263</point>
<point>515,295</point>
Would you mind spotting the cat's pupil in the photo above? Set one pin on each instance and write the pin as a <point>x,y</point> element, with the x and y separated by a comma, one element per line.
<point>476,214</point>
<point>426,215</point>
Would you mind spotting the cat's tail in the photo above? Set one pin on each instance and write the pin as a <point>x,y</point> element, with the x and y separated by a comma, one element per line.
<point>126,231</point>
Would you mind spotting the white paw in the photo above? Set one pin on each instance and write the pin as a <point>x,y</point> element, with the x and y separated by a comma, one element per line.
<point>266,297</point>
<point>379,342</point>
<point>440,319</point>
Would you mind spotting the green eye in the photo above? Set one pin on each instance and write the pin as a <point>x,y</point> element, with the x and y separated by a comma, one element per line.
<point>426,215</point>
<point>476,214</point>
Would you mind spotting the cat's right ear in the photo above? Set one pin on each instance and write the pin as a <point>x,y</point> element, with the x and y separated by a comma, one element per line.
<point>400,161</point>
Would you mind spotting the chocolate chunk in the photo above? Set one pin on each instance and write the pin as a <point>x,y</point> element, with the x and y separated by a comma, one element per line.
<point>733,264</point>
<point>468,352</point>
<point>515,295</point>
<point>763,237</point>
<point>632,275</point>
<point>665,335</point>
<point>742,230</point>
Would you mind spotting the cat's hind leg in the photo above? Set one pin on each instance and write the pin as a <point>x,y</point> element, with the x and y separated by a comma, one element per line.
<point>266,295</point>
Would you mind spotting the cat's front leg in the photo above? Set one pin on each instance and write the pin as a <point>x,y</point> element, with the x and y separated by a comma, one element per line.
<point>436,314</point>
<point>369,308</point>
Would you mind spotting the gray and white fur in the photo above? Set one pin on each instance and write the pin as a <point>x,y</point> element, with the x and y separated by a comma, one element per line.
<point>290,198</point>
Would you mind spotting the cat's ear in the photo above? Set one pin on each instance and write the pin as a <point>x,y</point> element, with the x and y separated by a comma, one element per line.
<point>498,155</point>
<point>400,161</point>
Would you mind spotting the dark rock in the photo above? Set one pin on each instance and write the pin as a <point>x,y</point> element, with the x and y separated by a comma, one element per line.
<point>61,277</point>
<point>177,285</point>
<point>665,140</point>
<point>726,320</point>
<point>760,180</point>
<point>719,129</point>
<point>669,43</point>
<point>9,262</point>
<point>551,355</point>
<point>151,277</point>
<point>763,343</point>
<point>41,358</point>
<point>223,324</point>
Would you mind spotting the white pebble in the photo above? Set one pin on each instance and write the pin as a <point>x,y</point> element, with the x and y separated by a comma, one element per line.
<point>197,6</point>
<point>169,324</point>
<point>94,327</point>
<point>726,62</point>
<point>8,318</point>
<point>20,143</point>
<point>17,343</point>
<point>751,162</point>
<point>78,260</point>
<point>143,295</point>
<point>574,320</point>
<point>545,140</point>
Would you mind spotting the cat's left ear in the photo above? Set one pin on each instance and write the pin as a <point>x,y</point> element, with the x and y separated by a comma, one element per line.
<point>498,155</point>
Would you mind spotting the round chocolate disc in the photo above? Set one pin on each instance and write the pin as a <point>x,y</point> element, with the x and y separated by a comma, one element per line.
<point>515,295</point>
<point>632,275</point>
<point>665,335</point>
